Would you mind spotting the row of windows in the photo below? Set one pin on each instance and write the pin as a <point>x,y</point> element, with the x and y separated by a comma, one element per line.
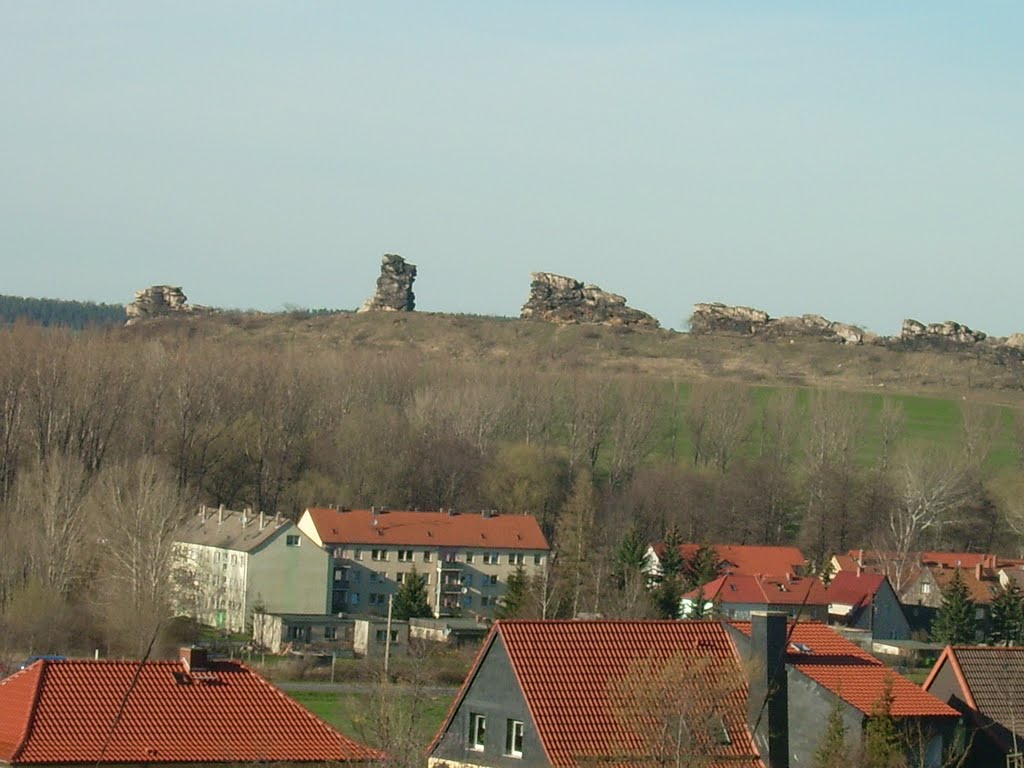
<point>409,556</point>
<point>513,735</point>
<point>465,580</point>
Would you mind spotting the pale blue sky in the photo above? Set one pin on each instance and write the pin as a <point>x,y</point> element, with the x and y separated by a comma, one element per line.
<point>860,160</point>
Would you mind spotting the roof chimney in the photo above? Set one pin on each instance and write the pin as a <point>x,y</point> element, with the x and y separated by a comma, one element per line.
<point>202,512</point>
<point>860,570</point>
<point>977,572</point>
<point>220,514</point>
<point>860,558</point>
<point>193,659</point>
<point>769,689</point>
<point>262,522</point>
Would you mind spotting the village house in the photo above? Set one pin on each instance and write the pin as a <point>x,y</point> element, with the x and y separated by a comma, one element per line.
<point>192,711</point>
<point>709,693</point>
<point>466,558</point>
<point>985,685</point>
<point>920,578</point>
<point>737,559</point>
<point>736,596</point>
<point>866,602</point>
<point>229,564</point>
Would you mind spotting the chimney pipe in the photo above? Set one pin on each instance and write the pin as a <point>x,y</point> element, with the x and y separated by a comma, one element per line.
<point>977,572</point>
<point>193,658</point>
<point>768,702</point>
<point>220,514</point>
<point>860,558</point>
<point>262,522</point>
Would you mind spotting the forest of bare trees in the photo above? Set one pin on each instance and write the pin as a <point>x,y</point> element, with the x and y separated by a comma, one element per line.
<point>107,440</point>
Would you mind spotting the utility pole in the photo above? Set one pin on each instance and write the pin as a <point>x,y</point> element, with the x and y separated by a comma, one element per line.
<point>387,637</point>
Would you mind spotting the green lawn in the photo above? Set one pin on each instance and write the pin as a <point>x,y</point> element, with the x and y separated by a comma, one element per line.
<point>359,714</point>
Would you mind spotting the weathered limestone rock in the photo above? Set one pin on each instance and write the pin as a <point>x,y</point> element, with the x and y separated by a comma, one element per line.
<point>564,300</point>
<point>722,318</point>
<point>948,331</point>
<point>157,301</point>
<point>1015,341</point>
<point>394,287</point>
<point>747,321</point>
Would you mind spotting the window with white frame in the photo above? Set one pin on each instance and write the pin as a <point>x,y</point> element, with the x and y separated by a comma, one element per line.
<point>292,540</point>
<point>378,554</point>
<point>330,633</point>
<point>492,558</point>
<point>469,557</point>
<point>400,577</point>
<point>514,738</point>
<point>517,558</point>
<point>536,559</point>
<point>405,555</point>
<point>426,556</point>
<point>477,731</point>
<point>357,554</point>
<point>493,579</point>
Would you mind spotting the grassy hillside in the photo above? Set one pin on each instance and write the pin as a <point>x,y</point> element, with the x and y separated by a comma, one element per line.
<point>930,386</point>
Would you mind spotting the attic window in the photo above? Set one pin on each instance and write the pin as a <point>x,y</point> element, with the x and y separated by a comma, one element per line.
<point>801,647</point>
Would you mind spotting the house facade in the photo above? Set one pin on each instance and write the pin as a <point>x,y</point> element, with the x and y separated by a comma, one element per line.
<point>228,564</point>
<point>466,558</point>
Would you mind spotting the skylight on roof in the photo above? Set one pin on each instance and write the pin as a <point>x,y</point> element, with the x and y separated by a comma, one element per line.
<point>801,647</point>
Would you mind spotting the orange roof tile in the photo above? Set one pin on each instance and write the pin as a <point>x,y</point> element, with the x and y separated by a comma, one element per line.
<point>739,588</point>
<point>854,588</point>
<point>65,711</point>
<point>427,529</point>
<point>853,674</point>
<point>748,559</point>
<point>580,679</point>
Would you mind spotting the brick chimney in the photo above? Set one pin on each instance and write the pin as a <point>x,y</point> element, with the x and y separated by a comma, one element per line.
<point>977,572</point>
<point>193,658</point>
<point>768,702</point>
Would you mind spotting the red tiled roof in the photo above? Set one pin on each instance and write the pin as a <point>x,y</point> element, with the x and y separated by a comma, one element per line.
<point>763,590</point>
<point>853,588</point>
<point>64,711</point>
<point>748,559</point>
<point>427,529</point>
<point>580,679</point>
<point>982,591</point>
<point>853,674</point>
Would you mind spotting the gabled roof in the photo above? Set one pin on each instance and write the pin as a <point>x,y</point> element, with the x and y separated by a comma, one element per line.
<point>992,680</point>
<point>854,588</point>
<point>982,590</point>
<point>227,529</point>
<point>65,711</point>
<point>853,674</point>
<point>762,590</point>
<point>425,529</point>
<point>583,681</point>
<point>747,559</point>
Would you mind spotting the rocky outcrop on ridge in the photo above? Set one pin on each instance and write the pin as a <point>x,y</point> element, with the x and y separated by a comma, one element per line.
<point>717,318</point>
<point>944,333</point>
<point>394,287</point>
<point>565,300</point>
<point>159,301</point>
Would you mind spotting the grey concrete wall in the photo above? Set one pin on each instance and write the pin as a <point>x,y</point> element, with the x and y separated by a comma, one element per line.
<point>885,617</point>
